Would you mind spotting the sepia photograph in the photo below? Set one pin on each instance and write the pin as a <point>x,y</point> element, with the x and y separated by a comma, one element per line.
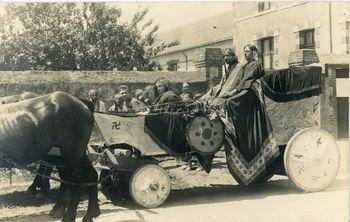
<point>231,111</point>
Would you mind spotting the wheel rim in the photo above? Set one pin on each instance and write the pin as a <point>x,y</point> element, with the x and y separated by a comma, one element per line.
<point>150,186</point>
<point>312,159</point>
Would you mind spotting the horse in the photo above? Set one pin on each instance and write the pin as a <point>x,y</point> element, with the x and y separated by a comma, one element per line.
<point>30,128</point>
<point>39,181</point>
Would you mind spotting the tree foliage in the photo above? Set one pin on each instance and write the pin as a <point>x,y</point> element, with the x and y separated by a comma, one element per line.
<point>71,36</point>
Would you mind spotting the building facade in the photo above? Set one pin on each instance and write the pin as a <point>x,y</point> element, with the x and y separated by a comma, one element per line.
<point>212,32</point>
<point>278,28</point>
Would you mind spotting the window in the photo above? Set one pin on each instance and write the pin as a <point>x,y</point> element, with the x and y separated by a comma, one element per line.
<point>262,6</point>
<point>307,39</point>
<point>342,72</point>
<point>266,46</point>
<point>172,65</point>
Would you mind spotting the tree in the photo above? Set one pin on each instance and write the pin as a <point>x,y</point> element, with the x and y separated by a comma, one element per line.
<point>70,36</point>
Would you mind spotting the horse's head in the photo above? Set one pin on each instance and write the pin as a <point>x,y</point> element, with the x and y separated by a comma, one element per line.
<point>88,103</point>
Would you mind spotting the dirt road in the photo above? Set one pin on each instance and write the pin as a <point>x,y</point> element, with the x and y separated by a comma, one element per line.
<point>197,196</point>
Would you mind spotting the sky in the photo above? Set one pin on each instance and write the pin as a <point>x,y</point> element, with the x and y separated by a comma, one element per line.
<point>173,14</point>
<point>169,14</point>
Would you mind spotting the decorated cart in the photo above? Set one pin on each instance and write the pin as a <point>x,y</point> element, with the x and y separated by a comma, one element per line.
<point>308,155</point>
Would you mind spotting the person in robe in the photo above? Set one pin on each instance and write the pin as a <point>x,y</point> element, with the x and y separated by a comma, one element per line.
<point>232,68</point>
<point>253,145</point>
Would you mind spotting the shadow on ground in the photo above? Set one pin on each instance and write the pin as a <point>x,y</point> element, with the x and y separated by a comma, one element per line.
<point>44,216</point>
<point>227,193</point>
<point>190,196</point>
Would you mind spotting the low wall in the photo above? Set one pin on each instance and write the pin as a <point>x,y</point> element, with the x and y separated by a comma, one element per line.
<point>78,83</point>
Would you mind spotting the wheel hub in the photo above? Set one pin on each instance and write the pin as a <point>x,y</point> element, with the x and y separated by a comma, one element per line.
<point>207,133</point>
<point>154,186</point>
<point>149,186</point>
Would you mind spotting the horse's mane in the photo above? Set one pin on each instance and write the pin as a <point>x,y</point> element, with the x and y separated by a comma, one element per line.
<point>88,103</point>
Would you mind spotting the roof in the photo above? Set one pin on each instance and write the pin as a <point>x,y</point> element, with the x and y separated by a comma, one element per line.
<point>87,77</point>
<point>212,29</point>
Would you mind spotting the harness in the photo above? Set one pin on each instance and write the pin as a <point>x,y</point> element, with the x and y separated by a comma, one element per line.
<point>41,162</point>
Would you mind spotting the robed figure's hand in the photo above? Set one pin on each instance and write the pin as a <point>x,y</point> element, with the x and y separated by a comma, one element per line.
<point>229,94</point>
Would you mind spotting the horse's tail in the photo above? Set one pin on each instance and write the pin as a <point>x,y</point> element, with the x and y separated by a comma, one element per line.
<point>88,104</point>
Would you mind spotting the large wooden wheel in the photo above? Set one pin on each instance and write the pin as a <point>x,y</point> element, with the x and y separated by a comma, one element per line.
<point>149,186</point>
<point>204,135</point>
<point>312,159</point>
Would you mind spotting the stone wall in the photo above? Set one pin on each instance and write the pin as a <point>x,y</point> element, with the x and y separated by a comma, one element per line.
<point>78,83</point>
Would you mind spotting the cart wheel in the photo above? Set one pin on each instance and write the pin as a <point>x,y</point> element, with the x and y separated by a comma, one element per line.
<point>149,186</point>
<point>114,185</point>
<point>312,159</point>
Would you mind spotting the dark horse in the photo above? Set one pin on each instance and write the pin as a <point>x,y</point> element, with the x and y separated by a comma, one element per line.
<point>38,182</point>
<point>30,128</point>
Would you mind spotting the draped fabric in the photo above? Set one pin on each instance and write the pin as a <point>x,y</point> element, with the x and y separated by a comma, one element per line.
<point>232,80</point>
<point>227,84</point>
<point>292,83</point>
<point>251,71</point>
<point>253,147</point>
<point>168,129</point>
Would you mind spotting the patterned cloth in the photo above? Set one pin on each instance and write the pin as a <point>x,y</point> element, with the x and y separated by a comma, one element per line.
<point>253,147</point>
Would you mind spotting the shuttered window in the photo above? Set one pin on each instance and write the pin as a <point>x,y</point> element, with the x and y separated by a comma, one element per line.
<point>307,39</point>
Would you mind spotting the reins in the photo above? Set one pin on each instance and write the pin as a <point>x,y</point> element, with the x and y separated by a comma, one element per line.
<point>66,181</point>
<point>51,177</point>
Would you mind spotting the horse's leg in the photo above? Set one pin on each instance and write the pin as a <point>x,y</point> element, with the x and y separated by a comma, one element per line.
<point>74,173</point>
<point>45,183</point>
<point>74,170</point>
<point>71,212</point>
<point>91,177</point>
<point>37,182</point>
<point>72,155</point>
<point>60,206</point>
